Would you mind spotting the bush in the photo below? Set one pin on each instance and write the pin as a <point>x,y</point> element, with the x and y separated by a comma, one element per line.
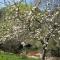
<point>55,52</point>
<point>12,45</point>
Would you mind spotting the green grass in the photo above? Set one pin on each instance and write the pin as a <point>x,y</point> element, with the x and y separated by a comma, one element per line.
<point>7,56</point>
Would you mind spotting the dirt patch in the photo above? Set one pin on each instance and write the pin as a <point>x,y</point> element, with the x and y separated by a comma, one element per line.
<point>34,54</point>
<point>52,58</point>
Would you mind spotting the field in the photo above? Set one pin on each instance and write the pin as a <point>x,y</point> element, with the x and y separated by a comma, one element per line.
<point>10,56</point>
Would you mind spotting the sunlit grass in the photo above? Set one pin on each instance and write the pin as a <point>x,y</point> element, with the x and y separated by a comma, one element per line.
<point>8,56</point>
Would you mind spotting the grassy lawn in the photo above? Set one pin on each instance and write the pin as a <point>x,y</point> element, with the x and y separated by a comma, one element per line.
<point>7,56</point>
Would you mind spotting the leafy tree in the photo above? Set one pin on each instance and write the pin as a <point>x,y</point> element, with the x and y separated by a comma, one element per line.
<point>29,24</point>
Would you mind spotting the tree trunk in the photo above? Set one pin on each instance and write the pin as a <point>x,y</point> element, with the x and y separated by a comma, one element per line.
<point>44,54</point>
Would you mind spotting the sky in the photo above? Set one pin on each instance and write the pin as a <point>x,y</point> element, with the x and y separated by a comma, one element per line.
<point>2,5</point>
<point>42,5</point>
<point>28,1</point>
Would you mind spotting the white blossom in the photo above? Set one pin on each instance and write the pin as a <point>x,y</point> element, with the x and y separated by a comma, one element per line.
<point>16,9</point>
<point>56,23</point>
<point>59,31</point>
<point>45,47</point>
<point>9,18</point>
<point>30,13</point>
<point>34,8</point>
<point>23,43</point>
<point>53,35</point>
<point>59,38</point>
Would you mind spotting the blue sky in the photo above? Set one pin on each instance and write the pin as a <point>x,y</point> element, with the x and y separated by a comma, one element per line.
<point>1,5</point>
<point>28,1</point>
<point>6,0</point>
<point>42,5</point>
<point>1,0</point>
